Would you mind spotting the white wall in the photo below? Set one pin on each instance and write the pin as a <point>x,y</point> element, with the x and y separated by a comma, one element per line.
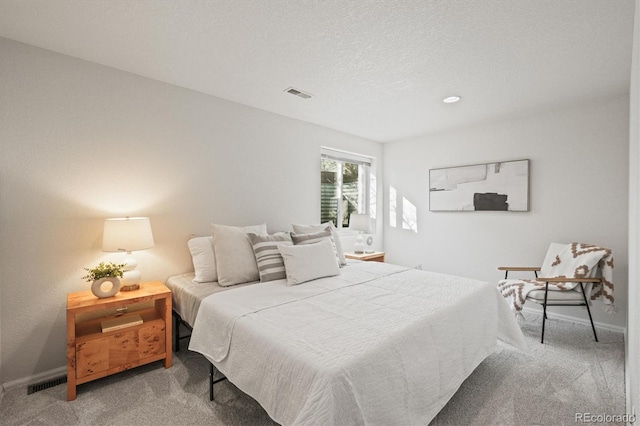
<point>1,387</point>
<point>632,353</point>
<point>578,192</point>
<point>82,142</point>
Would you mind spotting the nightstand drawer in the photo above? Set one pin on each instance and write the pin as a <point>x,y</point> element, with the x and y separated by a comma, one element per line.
<point>120,351</point>
<point>92,357</point>
<point>152,341</point>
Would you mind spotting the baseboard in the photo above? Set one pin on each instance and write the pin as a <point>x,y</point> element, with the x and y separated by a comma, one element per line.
<point>563,317</point>
<point>35,378</point>
<point>627,378</point>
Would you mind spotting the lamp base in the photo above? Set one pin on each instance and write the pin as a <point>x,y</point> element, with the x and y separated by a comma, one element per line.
<point>358,248</point>
<point>131,276</point>
<point>130,287</point>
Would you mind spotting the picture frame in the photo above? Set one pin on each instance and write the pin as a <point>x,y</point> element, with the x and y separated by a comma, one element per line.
<point>498,186</point>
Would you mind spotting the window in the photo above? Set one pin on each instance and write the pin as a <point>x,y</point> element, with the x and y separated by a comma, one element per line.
<point>344,186</point>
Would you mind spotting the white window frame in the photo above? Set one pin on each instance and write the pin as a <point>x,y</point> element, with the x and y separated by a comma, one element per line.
<point>364,179</point>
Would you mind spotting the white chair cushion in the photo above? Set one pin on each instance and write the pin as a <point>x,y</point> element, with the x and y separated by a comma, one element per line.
<point>571,296</point>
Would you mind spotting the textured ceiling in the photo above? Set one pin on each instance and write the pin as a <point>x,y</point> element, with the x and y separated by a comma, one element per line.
<point>377,69</point>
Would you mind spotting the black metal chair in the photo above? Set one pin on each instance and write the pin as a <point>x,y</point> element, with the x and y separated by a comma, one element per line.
<point>578,296</point>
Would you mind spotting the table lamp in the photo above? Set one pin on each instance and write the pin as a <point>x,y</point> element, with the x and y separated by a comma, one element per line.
<point>128,234</point>
<point>362,224</point>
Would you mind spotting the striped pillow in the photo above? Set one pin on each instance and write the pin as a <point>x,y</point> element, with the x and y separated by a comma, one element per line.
<point>268,257</point>
<point>304,229</point>
<point>314,237</point>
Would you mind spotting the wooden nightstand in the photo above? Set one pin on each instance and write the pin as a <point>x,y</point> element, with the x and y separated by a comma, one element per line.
<point>377,256</point>
<point>92,354</point>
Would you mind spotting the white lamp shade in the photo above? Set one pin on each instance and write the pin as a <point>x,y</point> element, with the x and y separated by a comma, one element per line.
<point>360,222</point>
<point>127,234</point>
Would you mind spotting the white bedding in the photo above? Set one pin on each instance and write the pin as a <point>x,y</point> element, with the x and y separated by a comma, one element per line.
<point>188,294</point>
<point>379,344</point>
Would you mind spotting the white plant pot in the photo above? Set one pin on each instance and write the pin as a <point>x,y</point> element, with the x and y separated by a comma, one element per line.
<point>100,288</point>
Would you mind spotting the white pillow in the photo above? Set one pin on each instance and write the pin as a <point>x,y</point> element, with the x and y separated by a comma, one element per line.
<point>204,262</point>
<point>308,262</point>
<point>314,237</point>
<point>235,261</point>
<point>306,229</point>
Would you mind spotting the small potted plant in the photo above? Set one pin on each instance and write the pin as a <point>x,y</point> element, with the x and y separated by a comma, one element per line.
<point>101,275</point>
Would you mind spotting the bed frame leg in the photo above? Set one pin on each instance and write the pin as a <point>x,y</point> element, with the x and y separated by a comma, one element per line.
<point>177,336</point>
<point>176,329</point>
<point>544,310</point>
<point>211,382</point>
<point>212,371</point>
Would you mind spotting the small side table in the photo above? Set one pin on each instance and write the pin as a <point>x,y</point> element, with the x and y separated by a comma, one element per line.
<point>376,256</point>
<point>92,354</point>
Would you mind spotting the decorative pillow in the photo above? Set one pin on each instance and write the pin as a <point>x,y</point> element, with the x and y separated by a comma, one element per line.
<point>235,261</point>
<point>305,229</point>
<point>309,261</point>
<point>314,237</point>
<point>204,262</point>
<point>268,257</point>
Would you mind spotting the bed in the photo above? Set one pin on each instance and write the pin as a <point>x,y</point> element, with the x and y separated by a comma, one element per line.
<point>187,295</point>
<point>376,344</point>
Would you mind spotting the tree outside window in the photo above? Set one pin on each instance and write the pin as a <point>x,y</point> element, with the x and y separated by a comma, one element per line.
<point>343,190</point>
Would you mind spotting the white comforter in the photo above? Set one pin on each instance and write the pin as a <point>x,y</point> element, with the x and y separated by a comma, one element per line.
<point>379,344</point>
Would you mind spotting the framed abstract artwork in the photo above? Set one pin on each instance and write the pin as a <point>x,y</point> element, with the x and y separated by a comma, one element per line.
<point>502,186</point>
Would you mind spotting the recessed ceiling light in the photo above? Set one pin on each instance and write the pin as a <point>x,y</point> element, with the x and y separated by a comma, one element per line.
<point>451,99</point>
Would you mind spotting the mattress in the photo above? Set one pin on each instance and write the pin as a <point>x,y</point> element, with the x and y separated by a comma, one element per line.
<point>187,294</point>
<point>378,344</point>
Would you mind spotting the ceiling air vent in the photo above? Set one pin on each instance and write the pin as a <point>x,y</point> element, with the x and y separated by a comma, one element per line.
<point>298,93</point>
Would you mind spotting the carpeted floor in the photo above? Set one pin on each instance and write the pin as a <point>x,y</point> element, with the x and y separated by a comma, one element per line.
<point>569,374</point>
